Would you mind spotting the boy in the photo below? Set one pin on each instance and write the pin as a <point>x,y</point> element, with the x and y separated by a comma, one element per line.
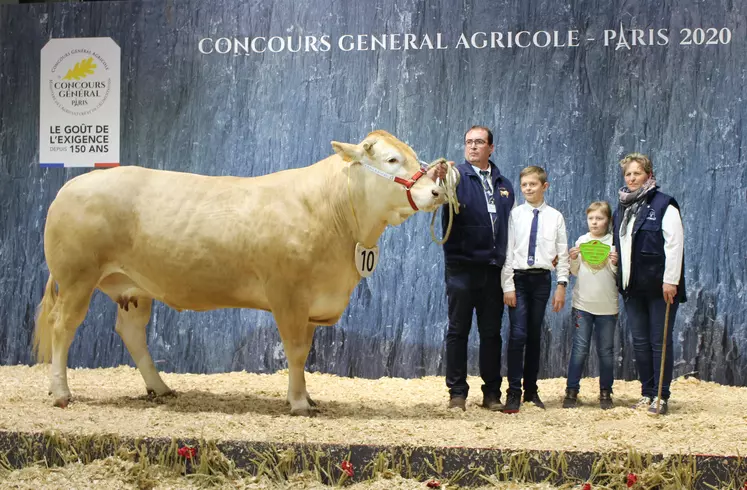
<point>536,238</point>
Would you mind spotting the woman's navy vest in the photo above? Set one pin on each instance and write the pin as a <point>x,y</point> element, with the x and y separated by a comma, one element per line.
<point>647,254</point>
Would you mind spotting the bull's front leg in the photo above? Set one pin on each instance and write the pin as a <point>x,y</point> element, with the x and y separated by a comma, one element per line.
<point>292,317</point>
<point>297,351</point>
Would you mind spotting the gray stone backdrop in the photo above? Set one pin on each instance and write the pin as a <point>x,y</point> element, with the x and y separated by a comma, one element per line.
<point>574,110</point>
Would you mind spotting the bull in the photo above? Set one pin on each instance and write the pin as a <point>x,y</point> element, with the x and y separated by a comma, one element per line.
<point>285,242</point>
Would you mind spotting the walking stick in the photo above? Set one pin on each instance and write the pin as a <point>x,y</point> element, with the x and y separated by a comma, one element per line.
<point>663,356</point>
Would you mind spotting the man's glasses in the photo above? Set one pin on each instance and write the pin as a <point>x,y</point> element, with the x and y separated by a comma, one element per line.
<point>475,142</point>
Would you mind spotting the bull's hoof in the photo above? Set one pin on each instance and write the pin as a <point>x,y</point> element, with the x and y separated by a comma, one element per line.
<point>304,411</point>
<point>62,402</point>
<point>311,402</point>
<point>153,396</point>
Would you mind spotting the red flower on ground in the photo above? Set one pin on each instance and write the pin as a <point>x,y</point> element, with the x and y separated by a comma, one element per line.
<point>188,452</point>
<point>433,484</point>
<point>347,467</point>
<point>587,486</point>
<point>632,478</point>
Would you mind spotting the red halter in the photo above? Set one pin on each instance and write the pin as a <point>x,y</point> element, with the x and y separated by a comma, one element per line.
<point>406,183</point>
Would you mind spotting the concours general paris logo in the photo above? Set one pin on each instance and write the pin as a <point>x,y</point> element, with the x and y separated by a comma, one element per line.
<point>79,102</point>
<point>80,81</point>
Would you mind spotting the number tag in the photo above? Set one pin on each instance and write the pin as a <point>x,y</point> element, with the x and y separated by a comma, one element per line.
<point>366,259</point>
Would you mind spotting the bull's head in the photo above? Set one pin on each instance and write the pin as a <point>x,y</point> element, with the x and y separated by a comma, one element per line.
<point>409,190</point>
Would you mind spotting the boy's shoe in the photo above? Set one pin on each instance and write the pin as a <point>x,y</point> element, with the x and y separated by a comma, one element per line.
<point>645,401</point>
<point>663,407</point>
<point>605,399</point>
<point>492,402</point>
<point>534,398</point>
<point>513,403</point>
<point>458,402</point>
<point>571,398</point>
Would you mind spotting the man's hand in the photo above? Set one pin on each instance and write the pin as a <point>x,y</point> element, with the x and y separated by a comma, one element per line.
<point>573,253</point>
<point>558,301</point>
<point>613,257</point>
<point>439,171</point>
<point>509,299</point>
<point>555,261</point>
<point>670,291</point>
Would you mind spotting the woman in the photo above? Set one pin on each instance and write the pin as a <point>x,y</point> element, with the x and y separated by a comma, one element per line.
<point>649,240</point>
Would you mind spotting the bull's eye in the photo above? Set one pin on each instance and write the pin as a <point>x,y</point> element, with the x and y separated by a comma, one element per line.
<point>392,160</point>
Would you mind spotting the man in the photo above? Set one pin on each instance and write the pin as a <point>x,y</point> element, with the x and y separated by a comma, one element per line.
<point>474,255</point>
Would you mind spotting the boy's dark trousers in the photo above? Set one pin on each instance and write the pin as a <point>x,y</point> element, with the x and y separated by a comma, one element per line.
<point>532,292</point>
<point>474,288</point>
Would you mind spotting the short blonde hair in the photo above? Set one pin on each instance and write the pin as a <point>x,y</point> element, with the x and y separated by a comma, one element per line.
<point>539,171</point>
<point>602,206</point>
<point>643,160</point>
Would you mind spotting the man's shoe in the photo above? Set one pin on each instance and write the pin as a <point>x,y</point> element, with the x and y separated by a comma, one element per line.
<point>645,401</point>
<point>605,399</point>
<point>513,403</point>
<point>492,402</point>
<point>534,398</point>
<point>663,407</point>
<point>571,398</point>
<point>458,402</point>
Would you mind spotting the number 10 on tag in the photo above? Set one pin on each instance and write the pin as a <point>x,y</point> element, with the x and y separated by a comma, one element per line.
<point>366,259</point>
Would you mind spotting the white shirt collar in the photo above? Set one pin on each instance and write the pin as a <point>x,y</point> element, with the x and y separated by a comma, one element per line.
<point>541,207</point>
<point>478,170</point>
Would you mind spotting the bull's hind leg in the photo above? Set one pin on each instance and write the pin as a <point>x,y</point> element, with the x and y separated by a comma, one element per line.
<point>132,318</point>
<point>69,311</point>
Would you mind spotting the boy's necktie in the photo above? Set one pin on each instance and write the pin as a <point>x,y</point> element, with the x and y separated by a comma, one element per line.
<point>533,237</point>
<point>488,194</point>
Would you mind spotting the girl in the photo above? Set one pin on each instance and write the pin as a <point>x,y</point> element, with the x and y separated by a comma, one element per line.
<point>595,305</point>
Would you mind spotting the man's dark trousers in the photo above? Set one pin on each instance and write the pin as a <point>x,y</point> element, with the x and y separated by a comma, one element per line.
<point>532,293</point>
<point>474,287</point>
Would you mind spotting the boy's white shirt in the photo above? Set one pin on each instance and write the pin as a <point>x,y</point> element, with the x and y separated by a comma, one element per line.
<point>595,293</point>
<point>552,240</point>
<point>674,247</point>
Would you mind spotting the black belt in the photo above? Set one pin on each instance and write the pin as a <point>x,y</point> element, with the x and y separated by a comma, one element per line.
<point>531,272</point>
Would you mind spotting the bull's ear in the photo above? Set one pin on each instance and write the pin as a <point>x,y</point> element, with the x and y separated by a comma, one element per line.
<point>348,152</point>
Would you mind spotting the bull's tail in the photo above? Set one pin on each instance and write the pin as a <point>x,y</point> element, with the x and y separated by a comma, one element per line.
<point>45,318</point>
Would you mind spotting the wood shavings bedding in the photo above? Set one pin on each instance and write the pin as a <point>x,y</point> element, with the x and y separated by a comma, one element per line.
<point>704,417</point>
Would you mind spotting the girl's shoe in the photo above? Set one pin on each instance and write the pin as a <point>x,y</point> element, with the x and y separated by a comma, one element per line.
<point>605,399</point>
<point>571,398</point>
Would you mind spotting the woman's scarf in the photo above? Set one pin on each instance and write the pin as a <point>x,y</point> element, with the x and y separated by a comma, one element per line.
<point>632,201</point>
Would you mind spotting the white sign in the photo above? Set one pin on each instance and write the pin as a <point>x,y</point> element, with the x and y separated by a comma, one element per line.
<point>79,103</point>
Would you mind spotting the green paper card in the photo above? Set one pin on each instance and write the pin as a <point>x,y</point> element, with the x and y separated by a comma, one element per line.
<point>595,252</point>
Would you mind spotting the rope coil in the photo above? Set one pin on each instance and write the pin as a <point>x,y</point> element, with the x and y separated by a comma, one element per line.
<point>449,185</point>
